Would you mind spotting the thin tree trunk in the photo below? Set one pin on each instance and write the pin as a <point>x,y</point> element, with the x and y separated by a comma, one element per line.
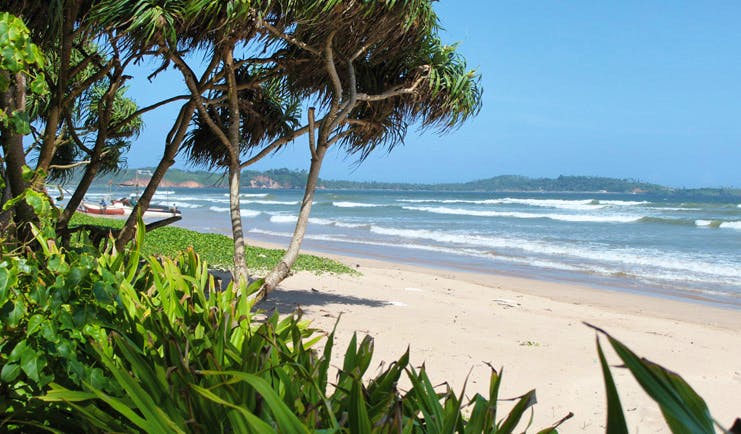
<point>54,114</point>
<point>240,273</point>
<point>105,109</point>
<point>281,270</point>
<point>5,216</point>
<point>174,139</point>
<point>15,158</point>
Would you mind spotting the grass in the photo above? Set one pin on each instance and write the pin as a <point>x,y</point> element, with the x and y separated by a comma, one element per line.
<point>215,249</point>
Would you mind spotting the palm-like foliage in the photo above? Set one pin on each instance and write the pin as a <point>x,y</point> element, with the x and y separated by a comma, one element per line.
<point>391,47</point>
<point>85,122</point>
<point>267,112</point>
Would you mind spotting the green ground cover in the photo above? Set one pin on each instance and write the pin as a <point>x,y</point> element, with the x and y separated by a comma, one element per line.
<point>215,249</point>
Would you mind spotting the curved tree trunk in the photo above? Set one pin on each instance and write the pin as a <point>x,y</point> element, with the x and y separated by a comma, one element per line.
<point>174,139</point>
<point>281,270</point>
<point>104,116</point>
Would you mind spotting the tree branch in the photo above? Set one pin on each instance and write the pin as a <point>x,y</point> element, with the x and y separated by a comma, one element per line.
<point>141,111</point>
<point>190,81</point>
<point>281,141</point>
<point>332,71</point>
<point>75,137</point>
<point>391,92</point>
<point>69,166</point>
<point>288,38</point>
<point>351,100</point>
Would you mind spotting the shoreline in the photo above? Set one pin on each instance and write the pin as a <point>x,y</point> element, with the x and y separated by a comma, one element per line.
<point>619,285</point>
<point>456,321</point>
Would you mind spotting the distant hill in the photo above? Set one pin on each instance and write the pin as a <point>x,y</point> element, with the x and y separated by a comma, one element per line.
<point>286,178</point>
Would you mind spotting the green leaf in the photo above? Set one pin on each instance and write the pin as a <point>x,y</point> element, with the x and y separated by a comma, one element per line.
<point>34,324</point>
<point>683,409</point>
<point>17,314</point>
<point>10,372</point>
<point>257,424</point>
<point>615,418</point>
<point>7,281</point>
<point>286,420</point>
<point>32,363</point>
<point>510,422</point>
<point>359,421</point>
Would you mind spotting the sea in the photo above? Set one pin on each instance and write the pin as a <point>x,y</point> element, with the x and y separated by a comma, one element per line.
<point>687,249</point>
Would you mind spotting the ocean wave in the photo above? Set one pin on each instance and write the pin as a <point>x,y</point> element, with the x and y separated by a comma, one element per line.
<point>250,194</point>
<point>646,266</point>
<point>185,205</point>
<point>355,205</point>
<point>708,223</point>
<point>246,213</point>
<point>283,218</point>
<point>577,205</point>
<point>668,221</point>
<point>170,198</point>
<point>623,202</point>
<point>272,202</point>
<point>165,192</point>
<point>617,257</point>
<point>524,215</point>
<point>731,225</point>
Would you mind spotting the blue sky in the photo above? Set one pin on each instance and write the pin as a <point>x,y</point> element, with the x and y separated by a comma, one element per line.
<point>646,90</point>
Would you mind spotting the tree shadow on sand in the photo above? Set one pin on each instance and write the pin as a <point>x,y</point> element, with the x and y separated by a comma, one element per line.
<point>286,300</point>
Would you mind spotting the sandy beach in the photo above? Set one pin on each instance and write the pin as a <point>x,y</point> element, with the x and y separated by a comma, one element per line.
<point>457,322</point>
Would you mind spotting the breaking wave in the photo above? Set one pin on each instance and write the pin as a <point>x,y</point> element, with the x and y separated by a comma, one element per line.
<point>525,215</point>
<point>355,205</point>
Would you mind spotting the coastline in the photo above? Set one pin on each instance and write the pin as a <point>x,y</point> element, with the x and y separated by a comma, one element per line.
<point>457,321</point>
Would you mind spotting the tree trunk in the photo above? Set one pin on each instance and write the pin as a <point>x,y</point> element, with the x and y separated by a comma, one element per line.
<point>15,158</point>
<point>5,216</point>
<point>105,109</point>
<point>281,270</point>
<point>175,138</point>
<point>54,114</point>
<point>240,273</point>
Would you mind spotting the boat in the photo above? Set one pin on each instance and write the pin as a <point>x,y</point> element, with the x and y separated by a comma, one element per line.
<point>102,208</point>
<point>128,204</point>
<point>123,208</point>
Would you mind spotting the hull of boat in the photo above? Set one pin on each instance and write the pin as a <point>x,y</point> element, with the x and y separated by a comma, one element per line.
<point>117,209</point>
<point>107,210</point>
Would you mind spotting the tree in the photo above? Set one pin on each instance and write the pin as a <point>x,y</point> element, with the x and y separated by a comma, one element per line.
<point>380,80</point>
<point>372,68</point>
<point>221,95</point>
<point>21,63</point>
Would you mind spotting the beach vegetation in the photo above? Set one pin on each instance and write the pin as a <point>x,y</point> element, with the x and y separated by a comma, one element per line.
<point>101,341</point>
<point>214,249</point>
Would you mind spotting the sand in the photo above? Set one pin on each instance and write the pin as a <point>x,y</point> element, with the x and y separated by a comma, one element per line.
<point>457,322</point>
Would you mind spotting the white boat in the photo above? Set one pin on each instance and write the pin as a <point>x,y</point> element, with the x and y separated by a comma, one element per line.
<point>123,208</point>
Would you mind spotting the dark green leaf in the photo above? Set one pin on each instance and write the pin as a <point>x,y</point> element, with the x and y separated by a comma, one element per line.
<point>615,419</point>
